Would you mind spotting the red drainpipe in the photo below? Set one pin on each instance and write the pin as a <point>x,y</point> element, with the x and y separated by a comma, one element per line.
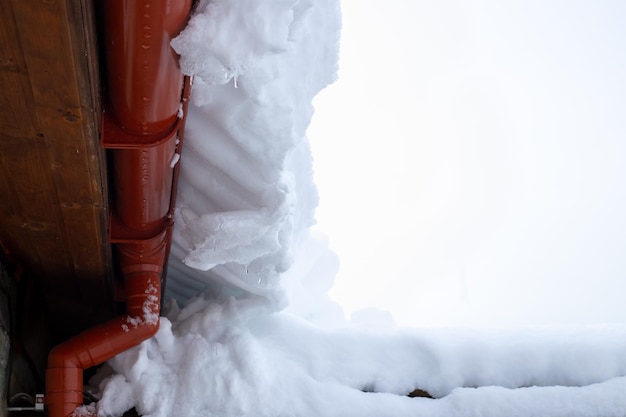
<point>141,128</point>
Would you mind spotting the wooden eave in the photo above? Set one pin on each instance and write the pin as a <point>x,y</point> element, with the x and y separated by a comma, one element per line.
<point>53,199</point>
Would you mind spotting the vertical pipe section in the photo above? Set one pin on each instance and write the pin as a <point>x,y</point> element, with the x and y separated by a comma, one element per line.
<point>145,83</point>
<point>140,126</point>
<point>142,70</point>
<point>143,185</point>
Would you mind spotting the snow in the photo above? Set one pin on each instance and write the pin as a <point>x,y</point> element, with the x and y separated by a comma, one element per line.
<point>257,333</point>
<point>235,357</point>
<point>85,410</point>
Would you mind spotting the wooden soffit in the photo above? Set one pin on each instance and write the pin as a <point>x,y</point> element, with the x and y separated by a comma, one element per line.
<point>53,204</point>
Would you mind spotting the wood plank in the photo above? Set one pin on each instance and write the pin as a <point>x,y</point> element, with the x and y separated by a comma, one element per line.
<point>54,211</point>
<point>15,118</point>
<point>38,217</point>
<point>67,121</point>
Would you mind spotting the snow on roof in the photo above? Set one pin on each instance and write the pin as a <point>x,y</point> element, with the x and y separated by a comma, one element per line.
<point>246,191</point>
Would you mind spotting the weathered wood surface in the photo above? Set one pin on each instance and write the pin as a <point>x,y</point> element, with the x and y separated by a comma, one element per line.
<point>53,203</point>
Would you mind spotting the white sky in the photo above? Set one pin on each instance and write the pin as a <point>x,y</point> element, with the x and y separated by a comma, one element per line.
<point>470,161</point>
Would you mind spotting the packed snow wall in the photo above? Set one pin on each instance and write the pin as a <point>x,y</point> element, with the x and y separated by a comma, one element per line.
<point>246,195</point>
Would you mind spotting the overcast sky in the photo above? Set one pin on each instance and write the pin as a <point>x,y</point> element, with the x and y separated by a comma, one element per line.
<point>470,161</point>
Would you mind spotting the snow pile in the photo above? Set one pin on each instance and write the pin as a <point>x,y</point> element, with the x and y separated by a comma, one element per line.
<point>254,278</point>
<point>236,358</point>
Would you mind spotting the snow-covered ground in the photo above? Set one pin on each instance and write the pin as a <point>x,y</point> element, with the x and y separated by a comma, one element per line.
<point>256,333</point>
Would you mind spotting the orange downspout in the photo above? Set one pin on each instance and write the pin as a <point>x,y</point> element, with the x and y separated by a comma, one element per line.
<point>141,127</point>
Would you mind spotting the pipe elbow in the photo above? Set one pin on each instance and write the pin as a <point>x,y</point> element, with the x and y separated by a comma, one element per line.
<point>140,332</point>
<point>66,362</point>
<point>63,356</point>
<point>144,326</point>
<point>102,342</point>
<point>149,328</point>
